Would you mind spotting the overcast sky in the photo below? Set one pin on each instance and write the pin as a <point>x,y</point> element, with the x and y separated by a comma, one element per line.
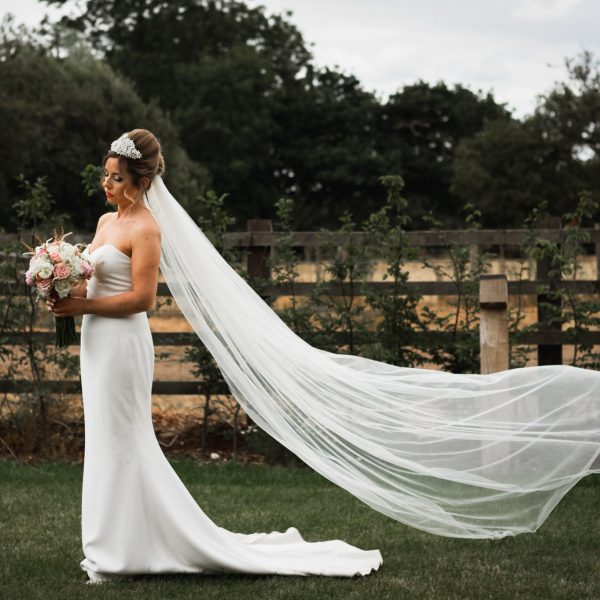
<point>514,48</point>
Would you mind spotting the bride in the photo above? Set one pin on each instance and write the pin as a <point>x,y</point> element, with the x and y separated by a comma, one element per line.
<point>137,516</point>
<point>458,455</point>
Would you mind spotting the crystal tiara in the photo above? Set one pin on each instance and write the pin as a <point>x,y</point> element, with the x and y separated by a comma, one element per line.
<point>125,147</point>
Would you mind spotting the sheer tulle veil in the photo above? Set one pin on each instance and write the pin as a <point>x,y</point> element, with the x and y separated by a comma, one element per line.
<point>471,456</point>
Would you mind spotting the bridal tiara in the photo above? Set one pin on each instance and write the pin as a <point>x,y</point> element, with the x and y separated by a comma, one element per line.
<point>125,147</point>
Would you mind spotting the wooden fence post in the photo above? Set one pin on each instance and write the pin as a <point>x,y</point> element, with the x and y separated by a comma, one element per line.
<point>548,354</point>
<point>257,255</point>
<point>597,249</point>
<point>493,323</point>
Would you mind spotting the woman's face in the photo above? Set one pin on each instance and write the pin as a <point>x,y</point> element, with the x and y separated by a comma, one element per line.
<point>116,184</point>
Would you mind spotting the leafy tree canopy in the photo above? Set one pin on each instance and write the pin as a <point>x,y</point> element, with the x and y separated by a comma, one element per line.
<point>419,129</point>
<point>251,106</point>
<point>236,98</point>
<point>63,114</point>
<point>509,166</point>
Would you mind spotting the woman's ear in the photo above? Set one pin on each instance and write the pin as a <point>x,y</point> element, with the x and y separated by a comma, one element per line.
<point>145,182</point>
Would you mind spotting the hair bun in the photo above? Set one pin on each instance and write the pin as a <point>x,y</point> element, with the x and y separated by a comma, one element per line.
<point>160,169</point>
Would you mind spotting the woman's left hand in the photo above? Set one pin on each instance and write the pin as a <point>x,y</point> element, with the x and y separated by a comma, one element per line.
<point>71,306</point>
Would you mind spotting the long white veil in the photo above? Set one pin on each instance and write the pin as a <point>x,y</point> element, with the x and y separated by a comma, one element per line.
<point>472,456</point>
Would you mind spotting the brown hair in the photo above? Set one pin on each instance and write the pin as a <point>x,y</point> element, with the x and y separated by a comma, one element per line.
<point>151,164</point>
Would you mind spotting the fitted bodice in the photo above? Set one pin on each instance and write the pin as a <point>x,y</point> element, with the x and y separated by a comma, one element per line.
<point>112,276</point>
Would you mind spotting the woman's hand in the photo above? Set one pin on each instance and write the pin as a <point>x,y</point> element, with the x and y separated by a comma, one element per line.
<point>80,290</point>
<point>71,306</point>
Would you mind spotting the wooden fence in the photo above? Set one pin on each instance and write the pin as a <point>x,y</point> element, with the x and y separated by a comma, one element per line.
<point>259,239</point>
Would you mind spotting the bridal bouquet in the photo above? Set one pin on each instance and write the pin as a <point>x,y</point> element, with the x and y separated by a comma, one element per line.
<point>56,267</point>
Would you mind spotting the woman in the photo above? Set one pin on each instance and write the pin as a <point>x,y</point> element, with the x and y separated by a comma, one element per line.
<point>137,516</point>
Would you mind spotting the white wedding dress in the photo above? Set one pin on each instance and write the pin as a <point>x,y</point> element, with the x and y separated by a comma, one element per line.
<point>137,515</point>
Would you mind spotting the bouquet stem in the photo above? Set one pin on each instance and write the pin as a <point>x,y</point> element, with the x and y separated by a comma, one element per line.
<point>65,331</point>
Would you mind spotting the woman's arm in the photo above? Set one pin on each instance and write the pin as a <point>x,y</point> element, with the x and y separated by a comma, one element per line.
<point>145,261</point>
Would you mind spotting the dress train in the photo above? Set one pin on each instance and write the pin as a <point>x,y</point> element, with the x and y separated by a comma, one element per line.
<point>137,515</point>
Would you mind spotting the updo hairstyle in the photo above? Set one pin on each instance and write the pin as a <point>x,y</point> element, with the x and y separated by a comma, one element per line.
<point>150,165</point>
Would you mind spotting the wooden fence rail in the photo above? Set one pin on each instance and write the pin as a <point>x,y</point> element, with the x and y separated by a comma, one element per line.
<point>423,288</point>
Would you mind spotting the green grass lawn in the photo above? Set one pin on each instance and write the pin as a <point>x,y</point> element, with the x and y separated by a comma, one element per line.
<point>41,544</point>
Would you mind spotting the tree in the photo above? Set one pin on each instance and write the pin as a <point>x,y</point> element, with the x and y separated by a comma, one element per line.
<point>249,103</point>
<point>62,115</point>
<point>242,89</point>
<point>500,170</point>
<point>418,131</point>
<point>214,67</point>
<point>325,151</point>
<point>508,167</point>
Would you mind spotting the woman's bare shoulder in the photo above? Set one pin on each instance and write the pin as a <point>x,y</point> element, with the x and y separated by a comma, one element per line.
<point>105,218</point>
<point>146,228</point>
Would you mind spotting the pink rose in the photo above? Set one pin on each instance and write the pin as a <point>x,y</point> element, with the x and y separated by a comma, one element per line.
<point>29,278</point>
<point>55,256</point>
<point>44,285</point>
<point>61,271</point>
<point>87,270</point>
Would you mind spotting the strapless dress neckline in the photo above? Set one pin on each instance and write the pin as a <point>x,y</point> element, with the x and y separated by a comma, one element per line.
<point>109,246</point>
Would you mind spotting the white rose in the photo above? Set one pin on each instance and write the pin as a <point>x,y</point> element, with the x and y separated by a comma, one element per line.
<point>45,271</point>
<point>75,264</point>
<point>62,287</point>
<point>68,251</point>
<point>34,268</point>
<point>38,261</point>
